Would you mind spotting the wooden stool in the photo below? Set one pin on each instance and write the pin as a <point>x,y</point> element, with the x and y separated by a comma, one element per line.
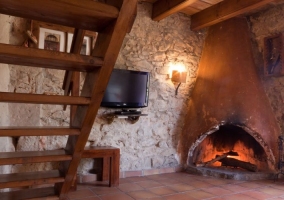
<point>111,159</point>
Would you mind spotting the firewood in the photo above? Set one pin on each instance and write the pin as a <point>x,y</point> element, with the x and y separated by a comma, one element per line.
<point>217,158</point>
<point>238,163</point>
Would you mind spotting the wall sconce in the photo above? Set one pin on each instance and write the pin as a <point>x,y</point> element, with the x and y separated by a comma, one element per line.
<point>179,77</point>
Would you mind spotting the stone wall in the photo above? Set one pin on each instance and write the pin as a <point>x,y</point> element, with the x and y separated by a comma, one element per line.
<point>149,143</point>
<point>153,47</point>
<point>265,24</point>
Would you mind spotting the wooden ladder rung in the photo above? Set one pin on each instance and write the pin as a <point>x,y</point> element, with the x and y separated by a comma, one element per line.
<point>43,99</point>
<point>89,15</point>
<point>24,157</point>
<point>30,179</point>
<point>37,131</point>
<point>29,194</point>
<point>19,55</point>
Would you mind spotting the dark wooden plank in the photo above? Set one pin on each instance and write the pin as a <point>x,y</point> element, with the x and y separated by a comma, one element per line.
<point>19,55</point>
<point>23,157</point>
<point>76,46</point>
<point>89,15</point>
<point>108,45</point>
<point>37,131</point>
<point>29,194</point>
<point>165,8</point>
<point>223,11</point>
<point>30,179</point>
<point>42,99</point>
<point>99,152</point>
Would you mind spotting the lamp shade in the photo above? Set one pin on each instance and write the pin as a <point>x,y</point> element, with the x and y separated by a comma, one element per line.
<point>179,76</point>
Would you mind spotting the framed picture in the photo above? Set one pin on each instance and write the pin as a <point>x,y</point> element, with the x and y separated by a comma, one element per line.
<point>51,39</point>
<point>59,38</point>
<point>273,55</point>
<point>86,46</point>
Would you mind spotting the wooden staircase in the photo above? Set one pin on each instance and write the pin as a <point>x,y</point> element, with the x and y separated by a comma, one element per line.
<point>111,19</point>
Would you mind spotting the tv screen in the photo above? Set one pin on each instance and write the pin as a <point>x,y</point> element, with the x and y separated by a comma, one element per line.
<point>127,89</point>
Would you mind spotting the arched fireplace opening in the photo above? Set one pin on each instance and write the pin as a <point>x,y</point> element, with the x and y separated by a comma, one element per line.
<point>230,147</point>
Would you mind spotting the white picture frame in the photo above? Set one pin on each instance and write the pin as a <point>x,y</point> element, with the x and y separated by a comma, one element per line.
<point>51,40</point>
<point>86,50</point>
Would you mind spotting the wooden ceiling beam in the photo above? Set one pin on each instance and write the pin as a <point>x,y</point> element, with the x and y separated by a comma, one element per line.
<point>223,11</point>
<point>165,8</point>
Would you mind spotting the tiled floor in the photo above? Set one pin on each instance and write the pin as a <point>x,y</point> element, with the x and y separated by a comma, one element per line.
<point>181,186</point>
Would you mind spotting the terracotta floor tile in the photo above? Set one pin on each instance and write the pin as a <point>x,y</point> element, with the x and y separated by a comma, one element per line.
<point>180,196</point>
<point>128,187</point>
<point>257,194</point>
<point>117,196</point>
<point>217,191</point>
<point>199,194</point>
<point>156,177</point>
<point>216,181</point>
<point>90,198</point>
<point>137,179</point>
<point>181,187</point>
<point>149,184</point>
<point>162,191</point>
<point>104,190</point>
<point>234,188</point>
<point>177,176</point>
<point>169,181</point>
<point>251,185</point>
<point>199,184</point>
<point>81,193</point>
<point>142,194</point>
<point>123,180</point>
<point>272,191</point>
<point>237,197</point>
<point>279,186</point>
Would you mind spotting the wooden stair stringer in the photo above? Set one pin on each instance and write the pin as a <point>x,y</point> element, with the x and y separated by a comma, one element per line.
<point>108,45</point>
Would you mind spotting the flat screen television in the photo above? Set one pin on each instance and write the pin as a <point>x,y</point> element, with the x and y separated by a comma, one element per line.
<point>127,89</point>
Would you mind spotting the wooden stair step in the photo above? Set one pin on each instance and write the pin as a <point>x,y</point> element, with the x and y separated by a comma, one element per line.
<point>37,131</point>
<point>34,194</point>
<point>43,99</point>
<point>88,15</point>
<point>19,55</point>
<point>24,157</point>
<point>30,179</point>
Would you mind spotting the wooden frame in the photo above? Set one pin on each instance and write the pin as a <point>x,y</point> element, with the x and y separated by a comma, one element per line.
<point>86,47</point>
<point>38,28</point>
<point>51,40</point>
<point>273,55</point>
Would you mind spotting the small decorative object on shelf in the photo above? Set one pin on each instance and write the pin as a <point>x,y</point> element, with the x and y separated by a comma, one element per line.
<point>131,116</point>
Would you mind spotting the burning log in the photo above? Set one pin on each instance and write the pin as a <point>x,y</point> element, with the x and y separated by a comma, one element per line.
<point>217,158</point>
<point>238,163</point>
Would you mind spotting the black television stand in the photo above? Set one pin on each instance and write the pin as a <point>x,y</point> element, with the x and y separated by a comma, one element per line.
<point>127,112</point>
<point>130,115</point>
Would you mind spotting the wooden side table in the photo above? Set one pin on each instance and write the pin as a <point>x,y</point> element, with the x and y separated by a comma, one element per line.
<point>111,161</point>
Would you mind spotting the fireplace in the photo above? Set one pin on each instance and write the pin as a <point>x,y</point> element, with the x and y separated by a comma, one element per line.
<point>235,145</point>
<point>228,109</point>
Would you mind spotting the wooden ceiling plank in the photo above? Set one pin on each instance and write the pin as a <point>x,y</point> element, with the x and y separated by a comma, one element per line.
<point>223,11</point>
<point>164,8</point>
